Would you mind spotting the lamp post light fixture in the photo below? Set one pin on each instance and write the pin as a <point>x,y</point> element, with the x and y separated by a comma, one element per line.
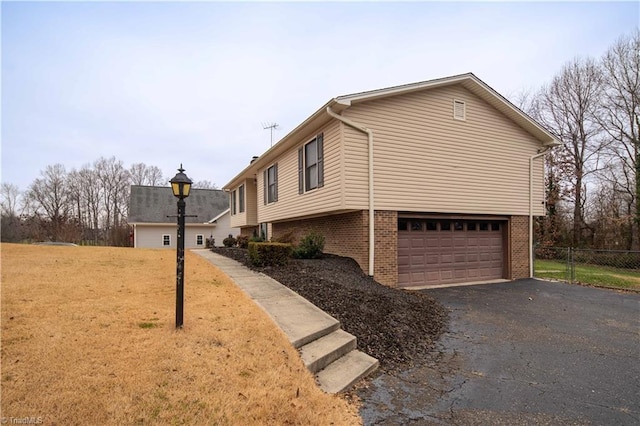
<point>181,186</point>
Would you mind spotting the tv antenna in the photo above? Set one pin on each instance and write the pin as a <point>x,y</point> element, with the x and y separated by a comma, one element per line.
<point>270,126</point>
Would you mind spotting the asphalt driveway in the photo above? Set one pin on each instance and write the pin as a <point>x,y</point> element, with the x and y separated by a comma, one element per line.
<point>520,353</point>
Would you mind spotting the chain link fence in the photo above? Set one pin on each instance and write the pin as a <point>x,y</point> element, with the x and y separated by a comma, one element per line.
<point>620,268</point>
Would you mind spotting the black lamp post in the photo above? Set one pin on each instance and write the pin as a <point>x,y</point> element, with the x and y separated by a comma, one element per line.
<point>180,185</point>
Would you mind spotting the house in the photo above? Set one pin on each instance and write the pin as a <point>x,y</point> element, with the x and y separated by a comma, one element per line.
<point>153,210</point>
<point>422,184</point>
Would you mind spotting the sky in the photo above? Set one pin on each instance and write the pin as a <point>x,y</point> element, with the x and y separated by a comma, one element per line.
<point>170,83</point>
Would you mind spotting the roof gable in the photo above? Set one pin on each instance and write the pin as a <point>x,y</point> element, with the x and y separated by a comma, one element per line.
<point>152,204</point>
<point>470,82</point>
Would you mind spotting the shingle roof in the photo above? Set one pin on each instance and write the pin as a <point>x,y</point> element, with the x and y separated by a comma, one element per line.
<point>152,204</point>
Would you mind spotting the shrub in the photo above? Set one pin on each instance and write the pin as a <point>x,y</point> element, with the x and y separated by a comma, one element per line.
<point>269,254</point>
<point>310,247</point>
<point>210,243</point>
<point>242,241</point>
<point>229,241</point>
<point>256,239</point>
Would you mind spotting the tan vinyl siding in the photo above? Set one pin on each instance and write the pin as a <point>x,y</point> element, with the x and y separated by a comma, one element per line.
<point>425,160</point>
<point>290,204</point>
<point>250,215</point>
<point>356,166</point>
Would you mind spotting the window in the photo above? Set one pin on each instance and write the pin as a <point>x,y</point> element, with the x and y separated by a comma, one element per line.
<point>445,226</point>
<point>432,225</point>
<point>416,225</point>
<point>484,226</point>
<point>458,226</point>
<point>166,240</point>
<point>495,226</point>
<point>459,110</point>
<point>271,184</point>
<point>233,202</point>
<point>402,224</point>
<point>471,226</point>
<point>199,240</point>
<point>311,165</point>
<point>241,198</point>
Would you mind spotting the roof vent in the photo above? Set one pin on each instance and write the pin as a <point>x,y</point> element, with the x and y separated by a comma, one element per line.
<point>254,158</point>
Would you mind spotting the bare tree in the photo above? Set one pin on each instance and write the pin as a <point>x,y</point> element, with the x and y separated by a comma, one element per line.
<point>50,197</point>
<point>9,199</point>
<point>114,179</point>
<point>567,108</point>
<point>92,198</point>
<point>9,216</point>
<point>141,174</point>
<point>205,184</point>
<point>619,117</point>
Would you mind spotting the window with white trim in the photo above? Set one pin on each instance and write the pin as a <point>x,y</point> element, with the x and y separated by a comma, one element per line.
<point>199,240</point>
<point>270,178</point>
<point>311,165</point>
<point>166,240</point>
<point>459,110</point>
<point>241,198</point>
<point>233,202</point>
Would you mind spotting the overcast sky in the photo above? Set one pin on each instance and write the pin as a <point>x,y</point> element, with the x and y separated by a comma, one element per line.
<point>170,82</point>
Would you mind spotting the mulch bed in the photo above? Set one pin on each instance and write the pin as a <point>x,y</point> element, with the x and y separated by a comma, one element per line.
<point>397,327</point>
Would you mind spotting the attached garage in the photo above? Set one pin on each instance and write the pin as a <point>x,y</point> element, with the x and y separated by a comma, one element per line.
<point>434,251</point>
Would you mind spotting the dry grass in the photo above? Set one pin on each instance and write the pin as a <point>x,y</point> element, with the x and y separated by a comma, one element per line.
<point>88,336</point>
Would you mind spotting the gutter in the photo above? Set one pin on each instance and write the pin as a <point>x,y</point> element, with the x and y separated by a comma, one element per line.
<point>533,157</point>
<point>369,133</point>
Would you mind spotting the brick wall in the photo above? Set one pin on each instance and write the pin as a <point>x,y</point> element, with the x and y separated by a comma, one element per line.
<point>347,235</point>
<point>519,232</point>
<point>249,231</point>
<point>386,248</point>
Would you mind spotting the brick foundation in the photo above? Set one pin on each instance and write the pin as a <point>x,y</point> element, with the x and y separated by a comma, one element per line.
<point>249,231</point>
<point>519,237</point>
<point>386,248</point>
<point>347,235</point>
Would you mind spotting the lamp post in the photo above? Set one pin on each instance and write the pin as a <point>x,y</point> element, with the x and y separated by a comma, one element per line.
<point>180,185</point>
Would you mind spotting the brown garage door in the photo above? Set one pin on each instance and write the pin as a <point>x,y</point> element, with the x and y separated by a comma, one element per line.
<point>432,252</point>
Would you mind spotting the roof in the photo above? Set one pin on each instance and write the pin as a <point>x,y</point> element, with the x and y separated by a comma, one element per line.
<point>152,204</point>
<point>215,219</point>
<point>340,103</point>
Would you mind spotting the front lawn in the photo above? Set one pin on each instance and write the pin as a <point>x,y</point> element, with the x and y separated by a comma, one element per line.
<point>88,336</point>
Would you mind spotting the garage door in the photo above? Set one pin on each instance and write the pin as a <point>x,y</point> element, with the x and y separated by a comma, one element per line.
<point>432,252</point>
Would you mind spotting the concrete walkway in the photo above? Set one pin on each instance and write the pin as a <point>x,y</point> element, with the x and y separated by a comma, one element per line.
<point>326,350</point>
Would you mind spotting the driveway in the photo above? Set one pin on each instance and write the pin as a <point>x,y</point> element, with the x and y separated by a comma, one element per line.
<point>520,353</point>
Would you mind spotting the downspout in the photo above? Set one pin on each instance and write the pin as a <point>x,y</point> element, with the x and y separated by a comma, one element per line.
<point>369,133</point>
<point>533,157</point>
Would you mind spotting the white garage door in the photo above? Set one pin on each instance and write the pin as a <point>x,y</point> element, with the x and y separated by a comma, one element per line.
<point>439,251</point>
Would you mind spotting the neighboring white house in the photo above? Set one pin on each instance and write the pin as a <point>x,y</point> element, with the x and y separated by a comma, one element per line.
<point>152,211</point>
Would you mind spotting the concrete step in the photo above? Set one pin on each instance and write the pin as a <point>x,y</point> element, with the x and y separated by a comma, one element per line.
<point>320,353</point>
<point>344,372</point>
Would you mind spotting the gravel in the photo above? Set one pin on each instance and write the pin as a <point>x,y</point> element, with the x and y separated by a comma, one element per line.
<point>397,327</point>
